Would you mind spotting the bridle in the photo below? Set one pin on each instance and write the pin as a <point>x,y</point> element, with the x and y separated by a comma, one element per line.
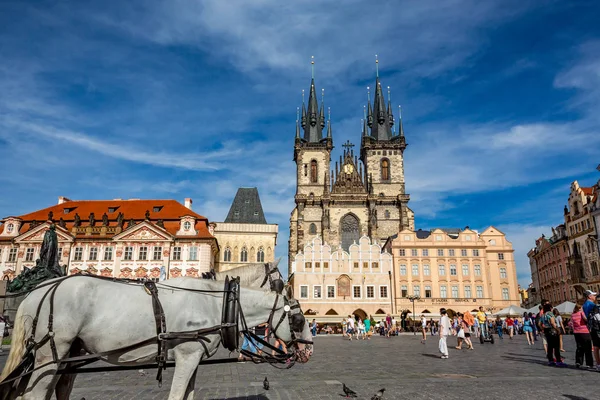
<point>276,285</point>
<point>291,311</point>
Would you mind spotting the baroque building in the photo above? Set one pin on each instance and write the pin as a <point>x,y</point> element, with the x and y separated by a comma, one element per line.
<point>245,236</point>
<point>453,268</point>
<point>363,194</point>
<point>553,273</point>
<point>582,237</point>
<point>133,238</point>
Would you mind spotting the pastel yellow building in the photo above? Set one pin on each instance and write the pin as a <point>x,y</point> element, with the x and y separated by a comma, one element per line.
<point>332,283</point>
<point>456,269</point>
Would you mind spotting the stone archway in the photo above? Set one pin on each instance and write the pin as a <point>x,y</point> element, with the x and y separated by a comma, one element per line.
<point>331,312</point>
<point>380,311</point>
<point>360,313</point>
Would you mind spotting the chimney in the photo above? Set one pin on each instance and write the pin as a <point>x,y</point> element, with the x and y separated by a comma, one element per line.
<point>188,203</point>
<point>62,199</point>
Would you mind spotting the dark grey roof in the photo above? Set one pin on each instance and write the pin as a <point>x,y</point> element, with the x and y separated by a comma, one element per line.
<point>421,234</point>
<point>379,119</point>
<point>246,208</point>
<point>313,120</point>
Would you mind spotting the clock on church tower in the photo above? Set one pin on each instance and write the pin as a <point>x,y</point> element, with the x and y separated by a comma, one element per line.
<point>348,168</point>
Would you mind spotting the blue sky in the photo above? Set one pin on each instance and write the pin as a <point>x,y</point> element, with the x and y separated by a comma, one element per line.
<point>182,98</point>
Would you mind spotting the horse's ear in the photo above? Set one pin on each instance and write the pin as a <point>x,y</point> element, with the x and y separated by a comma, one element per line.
<point>289,291</point>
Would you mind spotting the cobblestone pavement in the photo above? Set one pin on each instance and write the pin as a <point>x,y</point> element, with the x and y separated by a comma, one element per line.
<point>402,365</point>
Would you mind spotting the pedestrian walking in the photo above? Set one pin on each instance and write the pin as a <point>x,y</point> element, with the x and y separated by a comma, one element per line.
<point>423,328</point>
<point>444,332</point>
<point>552,337</point>
<point>528,327</point>
<point>582,338</point>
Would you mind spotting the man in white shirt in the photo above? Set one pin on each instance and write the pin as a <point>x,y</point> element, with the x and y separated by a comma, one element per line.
<point>444,332</point>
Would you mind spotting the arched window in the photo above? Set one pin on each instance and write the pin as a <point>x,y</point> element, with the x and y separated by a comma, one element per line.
<point>260,256</point>
<point>312,229</point>
<point>313,171</point>
<point>349,231</point>
<point>227,254</point>
<point>385,169</point>
<point>244,255</point>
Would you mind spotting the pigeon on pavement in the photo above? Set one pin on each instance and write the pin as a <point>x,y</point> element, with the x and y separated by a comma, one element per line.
<point>378,395</point>
<point>266,383</point>
<point>347,391</point>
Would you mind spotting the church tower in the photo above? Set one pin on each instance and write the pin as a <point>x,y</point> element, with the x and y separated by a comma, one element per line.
<point>312,155</point>
<point>382,153</point>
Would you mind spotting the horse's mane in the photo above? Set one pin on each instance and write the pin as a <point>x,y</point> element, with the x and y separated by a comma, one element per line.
<point>248,271</point>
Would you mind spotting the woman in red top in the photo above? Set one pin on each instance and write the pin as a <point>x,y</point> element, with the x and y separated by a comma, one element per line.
<point>510,323</point>
<point>582,338</point>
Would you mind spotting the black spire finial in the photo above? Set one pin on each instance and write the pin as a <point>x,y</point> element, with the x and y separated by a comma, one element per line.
<point>389,107</point>
<point>369,116</point>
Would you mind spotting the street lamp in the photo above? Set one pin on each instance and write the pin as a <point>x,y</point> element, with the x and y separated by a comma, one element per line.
<point>412,299</point>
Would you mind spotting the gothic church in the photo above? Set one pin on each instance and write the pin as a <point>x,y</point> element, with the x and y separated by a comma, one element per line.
<point>361,195</point>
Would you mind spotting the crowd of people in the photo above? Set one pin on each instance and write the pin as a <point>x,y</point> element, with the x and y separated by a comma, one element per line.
<point>546,325</point>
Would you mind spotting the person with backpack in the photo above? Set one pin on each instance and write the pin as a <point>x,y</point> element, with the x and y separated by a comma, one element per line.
<point>593,325</point>
<point>551,331</point>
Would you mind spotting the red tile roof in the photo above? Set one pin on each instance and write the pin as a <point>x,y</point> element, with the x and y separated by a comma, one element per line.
<point>588,191</point>
<point>169,211</point>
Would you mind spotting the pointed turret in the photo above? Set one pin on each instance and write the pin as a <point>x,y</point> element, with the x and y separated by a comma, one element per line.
<point>329,123</point>
<point>400,127</point>
<point>389,108</point>
<point>297,123</point>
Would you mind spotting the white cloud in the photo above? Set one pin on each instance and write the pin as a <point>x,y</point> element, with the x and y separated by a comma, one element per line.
<point>523,237</point>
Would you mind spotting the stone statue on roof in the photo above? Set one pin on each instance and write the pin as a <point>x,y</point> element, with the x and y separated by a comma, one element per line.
<point>50,216</point>
<point>147,215</point>
<point>62,223</point>
<point>46,267</point>
<point>77,222</point>
<point>120,217</point>
<point>92,219</point>
<point>104,219</point>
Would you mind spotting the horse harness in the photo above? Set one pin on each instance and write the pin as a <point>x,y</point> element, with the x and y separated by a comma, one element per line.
<point>228,330</point>
<point>276,285</point>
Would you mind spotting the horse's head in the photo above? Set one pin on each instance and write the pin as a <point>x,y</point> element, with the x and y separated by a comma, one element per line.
<point>294,329</point>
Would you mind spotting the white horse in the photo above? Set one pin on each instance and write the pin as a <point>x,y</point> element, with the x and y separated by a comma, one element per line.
<point>103,316</point>
<point>255,275</point>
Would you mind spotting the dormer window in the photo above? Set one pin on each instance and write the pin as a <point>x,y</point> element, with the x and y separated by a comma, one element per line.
<point>112,209</point>
<point>157,208</point>
<point>10,228</point>
<point>256,213</point>
<point>187,225</point>
<point>247,201</point>
<point>236,213</point>
<point>67,210</point>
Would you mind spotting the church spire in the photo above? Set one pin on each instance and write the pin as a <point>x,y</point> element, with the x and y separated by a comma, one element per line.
<point>379,119</point>
<point>313,119</point>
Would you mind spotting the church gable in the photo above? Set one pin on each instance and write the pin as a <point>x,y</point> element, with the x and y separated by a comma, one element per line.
<point>349,174</point>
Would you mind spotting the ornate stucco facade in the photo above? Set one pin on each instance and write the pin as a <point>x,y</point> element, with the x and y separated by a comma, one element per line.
<point>363,194</point>
<point>551,258</point>
<point>456,269</point>
<point>582,238</point>
<point>332,283</point>
<point>245,236</point>
<point>120,238</point>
